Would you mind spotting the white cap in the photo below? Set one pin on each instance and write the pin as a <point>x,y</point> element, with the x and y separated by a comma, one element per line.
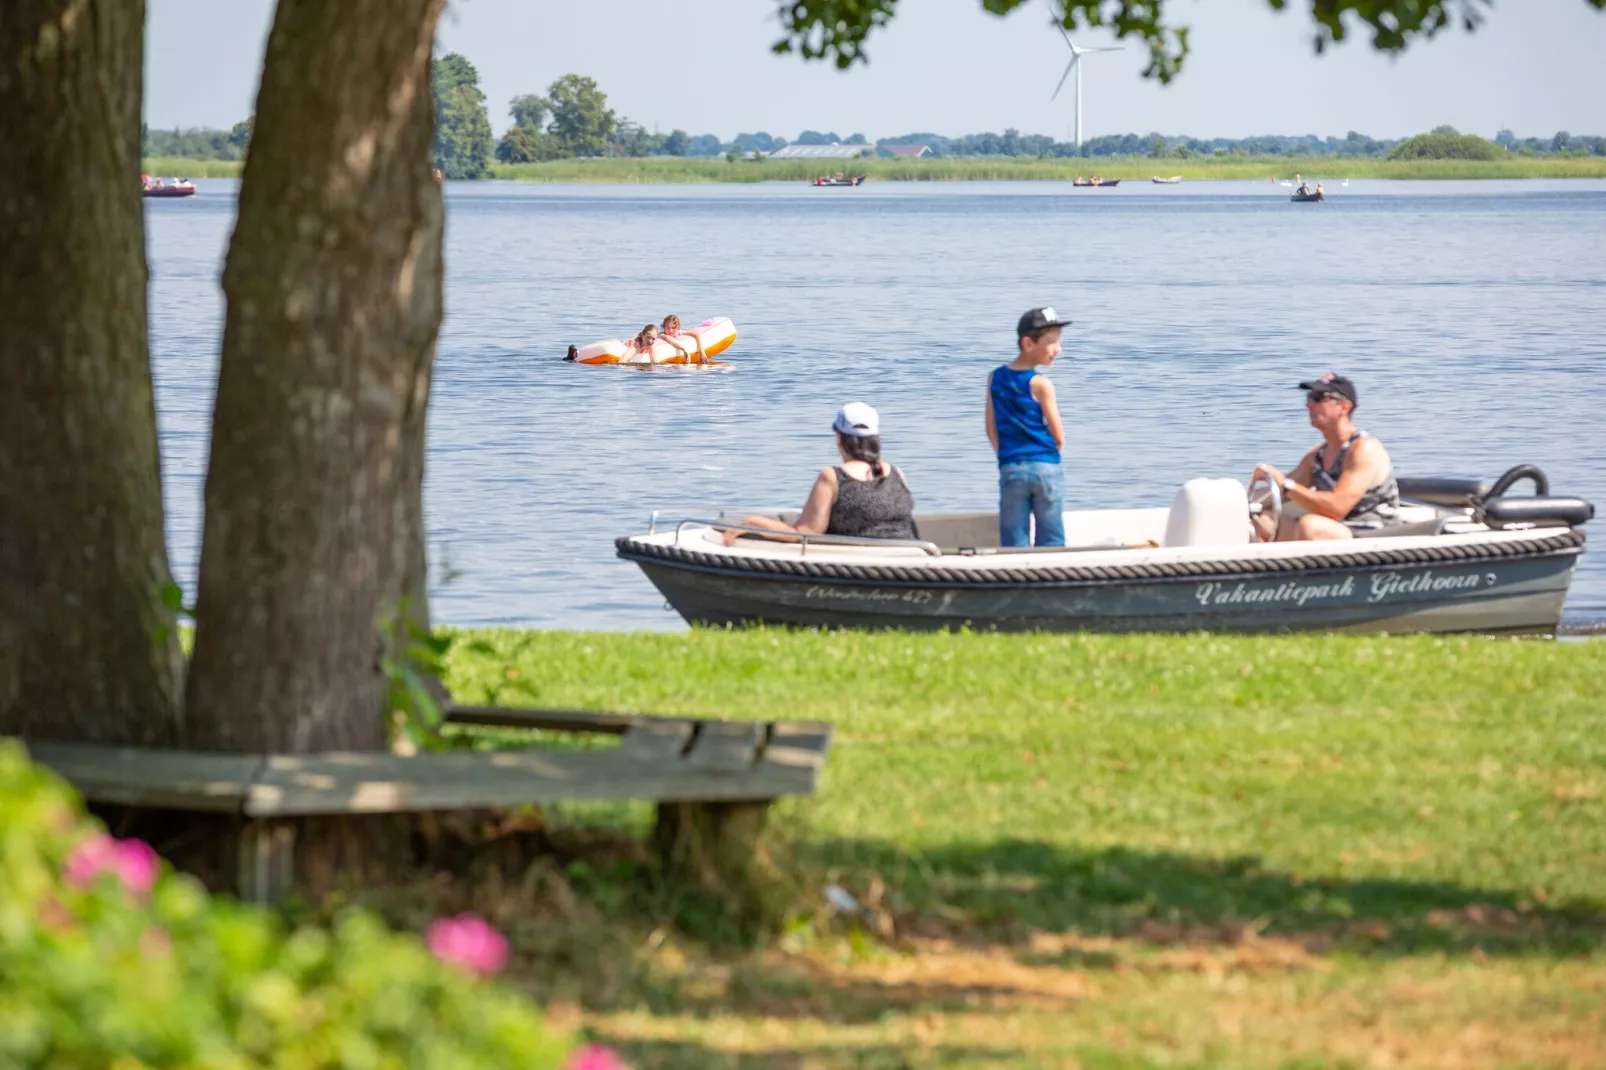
<point>857,420</point>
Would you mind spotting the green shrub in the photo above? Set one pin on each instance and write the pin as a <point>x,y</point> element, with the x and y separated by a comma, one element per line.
<point>96,972</point>
<point>1447,145</point>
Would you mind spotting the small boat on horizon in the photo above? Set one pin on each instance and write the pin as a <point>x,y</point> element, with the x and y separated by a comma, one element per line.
<point>839,180</point>
<point>1096,183</point>
<point>1310,197</point>
<point>1172,181</point>
<point>166,187</point>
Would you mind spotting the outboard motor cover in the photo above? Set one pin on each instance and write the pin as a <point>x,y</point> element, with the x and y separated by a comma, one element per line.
<point>1209,512</point>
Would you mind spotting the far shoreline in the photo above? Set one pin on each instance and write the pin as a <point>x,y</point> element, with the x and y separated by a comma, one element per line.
<point>677,169</point>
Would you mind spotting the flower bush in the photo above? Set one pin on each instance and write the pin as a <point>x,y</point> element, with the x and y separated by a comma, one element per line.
<point>107,959</point>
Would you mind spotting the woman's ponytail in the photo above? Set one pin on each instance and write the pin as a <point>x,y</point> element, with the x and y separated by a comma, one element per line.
<point>866,449</point>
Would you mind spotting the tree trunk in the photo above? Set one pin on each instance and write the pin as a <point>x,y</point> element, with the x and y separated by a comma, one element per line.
<point>326,350</point>
<point>88,648</point>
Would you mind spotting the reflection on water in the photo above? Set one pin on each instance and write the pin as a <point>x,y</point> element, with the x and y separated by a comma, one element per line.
<point>1468,313</point>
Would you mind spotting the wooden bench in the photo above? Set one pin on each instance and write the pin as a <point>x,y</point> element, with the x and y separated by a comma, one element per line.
<point>712,781</point>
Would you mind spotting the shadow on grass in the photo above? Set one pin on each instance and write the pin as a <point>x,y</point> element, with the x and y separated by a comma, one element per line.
<point>1005,890</point>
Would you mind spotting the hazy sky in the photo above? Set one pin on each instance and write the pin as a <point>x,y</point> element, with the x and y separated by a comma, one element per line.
<point>948,67</point>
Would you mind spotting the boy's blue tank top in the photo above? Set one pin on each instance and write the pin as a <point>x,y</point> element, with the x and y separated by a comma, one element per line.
<point>1023,434</point>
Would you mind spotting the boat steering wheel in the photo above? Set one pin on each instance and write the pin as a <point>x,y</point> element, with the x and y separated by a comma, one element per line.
<point>1268,502</point>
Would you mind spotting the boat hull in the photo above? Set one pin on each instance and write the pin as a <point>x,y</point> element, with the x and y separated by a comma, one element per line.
<point>1517,595</point>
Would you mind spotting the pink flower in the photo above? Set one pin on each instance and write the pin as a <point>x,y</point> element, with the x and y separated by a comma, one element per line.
<point>469,941</point>
<point>133,862</point>
<point>595,1057</point>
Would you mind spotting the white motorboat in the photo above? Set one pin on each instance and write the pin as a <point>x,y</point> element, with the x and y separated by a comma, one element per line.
<point>1466,557</point>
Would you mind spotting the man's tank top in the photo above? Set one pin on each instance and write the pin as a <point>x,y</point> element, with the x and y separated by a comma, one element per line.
<point>1378,507</point>
<point>1023,434</point>
<point>872,508</point>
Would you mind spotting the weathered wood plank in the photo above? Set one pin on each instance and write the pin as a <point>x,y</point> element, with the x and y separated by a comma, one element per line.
<point>559,720</point>
<point>657,740</point>
<point>383,783</point>
<point>725,746</point>
<point>793,743</point>
<point>136,776</point>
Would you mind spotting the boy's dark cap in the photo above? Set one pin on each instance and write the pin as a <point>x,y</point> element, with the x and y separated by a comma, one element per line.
<point>1039,319</point>
<point>1332,383</point>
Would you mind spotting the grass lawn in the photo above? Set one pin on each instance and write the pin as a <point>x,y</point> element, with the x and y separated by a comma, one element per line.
<point>1116,852</point>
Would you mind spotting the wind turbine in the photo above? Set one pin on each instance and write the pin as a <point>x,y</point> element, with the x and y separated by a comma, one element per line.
<point>1076,65</point>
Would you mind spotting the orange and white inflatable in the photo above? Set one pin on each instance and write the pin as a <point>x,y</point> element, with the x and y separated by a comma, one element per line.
<point>717,335</point>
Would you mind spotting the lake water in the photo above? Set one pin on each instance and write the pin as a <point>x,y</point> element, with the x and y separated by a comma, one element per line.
<point>1470,315</point>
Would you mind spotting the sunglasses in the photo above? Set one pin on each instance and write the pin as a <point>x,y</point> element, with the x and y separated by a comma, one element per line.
<point>1319,395</point>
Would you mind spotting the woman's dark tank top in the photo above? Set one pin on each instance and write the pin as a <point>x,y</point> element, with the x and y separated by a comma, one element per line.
<point>1379,506</point>
<point>873,508</point>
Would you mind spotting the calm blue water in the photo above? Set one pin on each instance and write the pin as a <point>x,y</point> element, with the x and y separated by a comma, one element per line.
<point>1470,315</point>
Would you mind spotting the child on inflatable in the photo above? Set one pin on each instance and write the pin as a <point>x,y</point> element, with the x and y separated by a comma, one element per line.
<point>642,343</point>
<point>671,331</point>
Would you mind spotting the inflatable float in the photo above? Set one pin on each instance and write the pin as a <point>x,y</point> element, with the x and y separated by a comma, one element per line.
<point>717,335</point>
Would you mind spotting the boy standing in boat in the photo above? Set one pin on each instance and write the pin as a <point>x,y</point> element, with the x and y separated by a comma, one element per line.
<point>1023,424</point>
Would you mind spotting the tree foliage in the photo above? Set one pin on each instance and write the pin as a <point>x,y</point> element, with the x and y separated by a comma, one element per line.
<point>527,140</point>
<point>1445,143</point>
<point>582,122</point>
<point>837,29</point>
<point>463,141</point>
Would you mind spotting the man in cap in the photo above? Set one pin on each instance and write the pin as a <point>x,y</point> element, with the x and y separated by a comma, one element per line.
<point>1344,485</point>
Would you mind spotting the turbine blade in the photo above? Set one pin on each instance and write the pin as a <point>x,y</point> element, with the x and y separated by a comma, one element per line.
<point>1061,28</point>
<point>1068,68</point>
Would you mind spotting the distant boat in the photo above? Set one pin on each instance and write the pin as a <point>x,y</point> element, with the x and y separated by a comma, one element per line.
<point>1097,183</point>
<point>166,187</point>
<point>1172,181</point>
<point>1307,198</point>
<point>844,181</point>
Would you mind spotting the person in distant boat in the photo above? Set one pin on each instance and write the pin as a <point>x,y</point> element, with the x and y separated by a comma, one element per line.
<point>1318,189</point>
<point>1023,425</point>
<point>1344,485</point>
<point>863,496</point>
<point>671,332</point>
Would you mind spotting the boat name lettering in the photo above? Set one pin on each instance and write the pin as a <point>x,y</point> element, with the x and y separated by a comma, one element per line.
<point>850,594</point>
<point>1221,594</point>
<point>1387,584</point>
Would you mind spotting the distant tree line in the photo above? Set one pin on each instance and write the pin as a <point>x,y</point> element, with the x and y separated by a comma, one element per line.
<point>573,119</point>
<point>201,143</point>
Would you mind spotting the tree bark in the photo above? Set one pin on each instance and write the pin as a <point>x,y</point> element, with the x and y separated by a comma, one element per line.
<point>88,648</point>
<point>326,351</point>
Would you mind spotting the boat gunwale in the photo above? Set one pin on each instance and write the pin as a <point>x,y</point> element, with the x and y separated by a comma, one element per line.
<point>928,572</point>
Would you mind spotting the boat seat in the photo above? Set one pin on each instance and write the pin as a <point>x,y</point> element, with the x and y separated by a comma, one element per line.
<point>1209,512</point>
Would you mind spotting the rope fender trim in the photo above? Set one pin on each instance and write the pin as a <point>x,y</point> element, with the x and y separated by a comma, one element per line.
<point>1569,541</point>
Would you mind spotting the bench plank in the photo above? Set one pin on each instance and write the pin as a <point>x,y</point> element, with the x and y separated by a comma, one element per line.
<point>725,746</point>
<point>657,740</point>
<point>800,744</point>
<point>384,783</point>
<point>166,779</point>
<point>558,720</point>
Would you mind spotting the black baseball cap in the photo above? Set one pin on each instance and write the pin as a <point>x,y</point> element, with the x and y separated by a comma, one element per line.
<point>1332,383</point>
<point>1039,319</point>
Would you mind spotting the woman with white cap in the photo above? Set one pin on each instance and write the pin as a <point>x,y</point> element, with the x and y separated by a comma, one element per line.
<point>863,496</point>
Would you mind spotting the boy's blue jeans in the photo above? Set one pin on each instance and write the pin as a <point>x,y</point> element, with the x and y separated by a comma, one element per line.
<point>1028,489</point>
